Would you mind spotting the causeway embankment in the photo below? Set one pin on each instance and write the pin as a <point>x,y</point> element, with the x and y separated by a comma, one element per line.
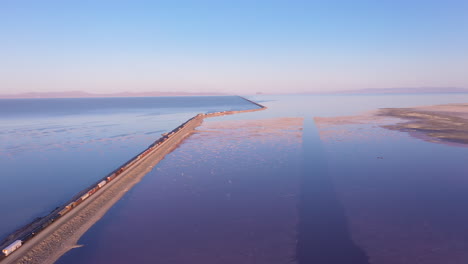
<point>49,237</point>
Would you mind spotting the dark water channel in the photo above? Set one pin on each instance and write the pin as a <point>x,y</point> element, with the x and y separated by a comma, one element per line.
<point>323,232</point>
<point>262,193</point>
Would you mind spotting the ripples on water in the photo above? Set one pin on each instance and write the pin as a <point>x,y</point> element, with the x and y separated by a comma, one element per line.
<point>358,193</point>
<point>207,203</point>
<point>50,149</point>
<point>256,193</point>
<point>404,197</point>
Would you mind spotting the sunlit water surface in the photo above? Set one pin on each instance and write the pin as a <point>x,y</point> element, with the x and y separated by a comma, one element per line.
<point>51,149</point>
<point>240,195</point>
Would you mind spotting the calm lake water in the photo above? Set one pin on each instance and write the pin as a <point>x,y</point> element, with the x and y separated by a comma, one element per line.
<point>51,149</point>
<point>248,190</point>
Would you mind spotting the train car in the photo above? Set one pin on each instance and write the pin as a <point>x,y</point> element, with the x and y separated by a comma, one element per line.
<point>46,224</point>
<point>36,231</point>
<point>74,204</point>
<point>111,177</point>
<point>31,234</point>
<point>51,220</point>
<point>12,247</point>
<point>71,205</point>
<point>119,171</point>
<point>129,164</point>
<point>27,237</point>
<point>92,191</point>
<point>77,202</point>
<point>55,217</point>
<point>64,211</point>
<point>85,196</point>
<point>126,166</point>
<point>101,184</point>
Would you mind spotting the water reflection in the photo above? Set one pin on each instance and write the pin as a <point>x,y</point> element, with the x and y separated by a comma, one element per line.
<point>323,233</point>
<point>50,149</point>
<point>403,197</point>
<point>226,195</point>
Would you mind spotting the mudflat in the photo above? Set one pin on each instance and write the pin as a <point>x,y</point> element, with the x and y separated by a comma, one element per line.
<point>443,123</point>
<point>228,195</point>
<point>446,124</point>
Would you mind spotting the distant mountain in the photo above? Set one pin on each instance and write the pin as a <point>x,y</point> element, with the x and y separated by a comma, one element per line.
<point>405,90</point>
<point>80,94</point>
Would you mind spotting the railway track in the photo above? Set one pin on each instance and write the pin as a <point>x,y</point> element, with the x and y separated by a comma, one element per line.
<point>35,233</point>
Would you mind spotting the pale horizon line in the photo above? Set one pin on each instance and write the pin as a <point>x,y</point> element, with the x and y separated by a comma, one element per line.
<point>85,94</point>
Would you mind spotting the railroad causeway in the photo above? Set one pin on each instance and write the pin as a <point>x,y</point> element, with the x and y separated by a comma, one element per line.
<point>49,237</point>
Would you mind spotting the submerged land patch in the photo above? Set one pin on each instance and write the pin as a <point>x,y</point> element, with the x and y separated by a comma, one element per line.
<point>228,194</point>
<point>446,124</point>
<point>401,196</point>
<point>442,124</point>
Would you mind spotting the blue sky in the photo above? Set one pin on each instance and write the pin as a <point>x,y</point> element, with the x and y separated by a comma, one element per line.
<point>231,46</point>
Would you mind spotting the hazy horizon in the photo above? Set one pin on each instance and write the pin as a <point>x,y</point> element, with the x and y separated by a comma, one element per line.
<point>233,48</point>
<point>85,94</point>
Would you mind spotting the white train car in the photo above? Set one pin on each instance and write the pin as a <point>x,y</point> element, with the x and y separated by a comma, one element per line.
<point>101,184</point>
<point>12,247</point>
<point>85,196</point>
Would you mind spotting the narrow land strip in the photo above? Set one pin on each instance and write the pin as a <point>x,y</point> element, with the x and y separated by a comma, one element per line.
<point>63,234</point>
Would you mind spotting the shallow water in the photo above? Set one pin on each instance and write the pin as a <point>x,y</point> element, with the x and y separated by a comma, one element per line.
<point>346,203</point>
<point>404,197</point>
<point>192,208</point>
<point>51,149</point>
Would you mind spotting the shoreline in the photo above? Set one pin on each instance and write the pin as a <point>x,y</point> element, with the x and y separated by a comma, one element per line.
<point>63,232</point>
<point>447,124</point>
<point>444,124</point>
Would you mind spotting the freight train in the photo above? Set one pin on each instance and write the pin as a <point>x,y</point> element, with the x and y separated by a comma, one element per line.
<point>52,218</point>
<point>71,205</point>
<point>91,191</point>
<point>96,187</point>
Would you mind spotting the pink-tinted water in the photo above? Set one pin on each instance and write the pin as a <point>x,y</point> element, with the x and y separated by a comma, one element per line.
<point>207,203</point>
<point>364,195</point>
<point>404,198</point>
